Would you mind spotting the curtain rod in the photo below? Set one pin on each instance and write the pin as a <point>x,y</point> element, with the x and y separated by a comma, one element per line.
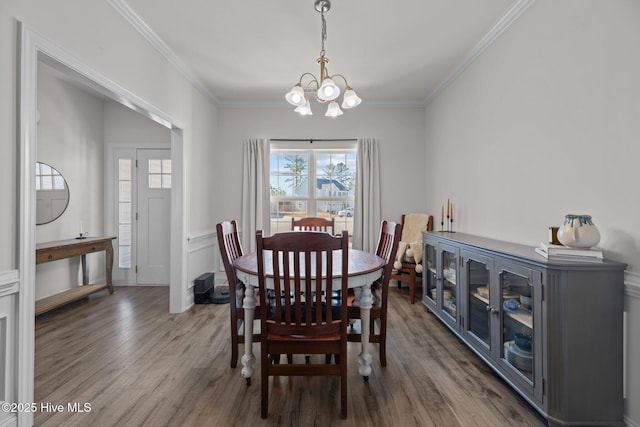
<point>312,140</point>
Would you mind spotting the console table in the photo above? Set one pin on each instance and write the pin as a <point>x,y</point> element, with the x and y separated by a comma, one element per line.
<point>53,251</point>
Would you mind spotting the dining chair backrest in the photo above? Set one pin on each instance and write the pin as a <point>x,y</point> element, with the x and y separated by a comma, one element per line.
<point>390,233</point>
<point>300,320</point>
<point>230,249</point>
<point>311,223</point>
<point>296,258</point>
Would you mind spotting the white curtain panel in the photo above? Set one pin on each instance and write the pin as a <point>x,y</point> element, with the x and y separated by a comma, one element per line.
<point>368,206</point>
<point>255,192</point>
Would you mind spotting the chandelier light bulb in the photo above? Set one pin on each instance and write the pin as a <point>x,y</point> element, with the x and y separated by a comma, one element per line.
<point>328,90</point>
<point>333,110</point>
<point>350,99</point>
<point>304,110</point>
<point>296,96</point>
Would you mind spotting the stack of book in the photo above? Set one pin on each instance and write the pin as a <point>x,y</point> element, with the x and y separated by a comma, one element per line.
<point>565,253</point>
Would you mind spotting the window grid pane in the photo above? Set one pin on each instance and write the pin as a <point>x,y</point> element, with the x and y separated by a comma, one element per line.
<point>159,173</point>
<point>125,214</point>
<point>293,194</point>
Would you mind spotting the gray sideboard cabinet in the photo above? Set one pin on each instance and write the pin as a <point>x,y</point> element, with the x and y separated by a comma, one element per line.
<point>551,330</point>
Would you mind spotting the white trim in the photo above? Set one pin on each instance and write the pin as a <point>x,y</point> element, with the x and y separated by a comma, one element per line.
<point>204,256</point>
<point>632,284</point>
<point>25,316</point>
<point>156,41</point>
<point>502,24</point>
<point>178,301</point>
<point>194,238</point>
<point>283,104</point>
<point>32,48</point>
<point>517,8</point>
<point>9,282</point>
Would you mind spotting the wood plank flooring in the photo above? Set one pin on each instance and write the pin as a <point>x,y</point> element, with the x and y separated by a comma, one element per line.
<point>137,365</point>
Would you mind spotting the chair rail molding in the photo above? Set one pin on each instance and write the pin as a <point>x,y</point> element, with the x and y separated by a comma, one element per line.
<point>204,256</point>
<point>9,282</point>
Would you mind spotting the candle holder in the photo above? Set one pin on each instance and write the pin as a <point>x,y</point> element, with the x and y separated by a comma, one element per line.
<point>442,226</point>
<point>451,226</point>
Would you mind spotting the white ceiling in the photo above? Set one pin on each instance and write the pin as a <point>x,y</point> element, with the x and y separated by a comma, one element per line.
<point>395,52</point>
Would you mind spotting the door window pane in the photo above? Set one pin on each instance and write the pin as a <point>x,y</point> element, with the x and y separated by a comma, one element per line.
<point>159,173</point>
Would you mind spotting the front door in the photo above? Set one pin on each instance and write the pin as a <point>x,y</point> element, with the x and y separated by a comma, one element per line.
<point>153,216</point>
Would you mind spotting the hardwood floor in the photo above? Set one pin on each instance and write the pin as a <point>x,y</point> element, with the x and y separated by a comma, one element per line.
<point>137,365</point>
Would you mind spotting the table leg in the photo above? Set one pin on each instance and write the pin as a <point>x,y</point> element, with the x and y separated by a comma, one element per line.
<point>109,265</point>
<point>85,269</point>
<point>364,359</point>
<point>248,359</point>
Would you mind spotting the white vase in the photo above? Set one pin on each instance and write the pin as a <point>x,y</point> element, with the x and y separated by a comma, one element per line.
<point>578,231</point>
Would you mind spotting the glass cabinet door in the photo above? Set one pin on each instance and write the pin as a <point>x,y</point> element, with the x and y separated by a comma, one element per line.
<point>479,300</point>
<point>518,337</point>
<point>430,276</point>
<point>449,282</point>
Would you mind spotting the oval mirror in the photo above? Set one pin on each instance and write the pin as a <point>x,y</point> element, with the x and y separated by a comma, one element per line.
<point>52,194</point>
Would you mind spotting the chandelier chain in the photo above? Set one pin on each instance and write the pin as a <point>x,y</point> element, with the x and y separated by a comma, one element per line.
<point>324,33</point>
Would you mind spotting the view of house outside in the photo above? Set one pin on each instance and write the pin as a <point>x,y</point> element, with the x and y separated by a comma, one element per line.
<point>312,183</point>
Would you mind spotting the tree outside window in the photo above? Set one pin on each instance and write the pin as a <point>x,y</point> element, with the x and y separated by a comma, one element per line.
<point>293,194</point>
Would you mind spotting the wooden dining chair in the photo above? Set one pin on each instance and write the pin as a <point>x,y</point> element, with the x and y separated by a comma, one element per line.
<point>408,268</point>
<point>300,322</point>
<point>230,249</point>
<point>390,233</point>
<point>311,223</point>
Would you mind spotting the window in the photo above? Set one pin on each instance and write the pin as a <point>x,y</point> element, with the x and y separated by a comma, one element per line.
<point>125,214</point>
<point>159,173</point>
<point>312,182</point>
<point>48,178</point>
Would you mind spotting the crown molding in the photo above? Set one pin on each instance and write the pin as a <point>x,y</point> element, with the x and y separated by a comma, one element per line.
<point>282,104</point>
<point>152,37</point>
<point>513,13</point>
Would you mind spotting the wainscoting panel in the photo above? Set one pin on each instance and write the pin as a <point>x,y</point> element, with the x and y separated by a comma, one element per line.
<point>9,287</point>
<point>203,257</point>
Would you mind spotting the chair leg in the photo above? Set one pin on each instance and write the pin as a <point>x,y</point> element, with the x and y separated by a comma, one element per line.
<point>234,343</point>
<point>412,286</point>
<point>383,341</point>
<point>343,390</point>
<point>264,386</point>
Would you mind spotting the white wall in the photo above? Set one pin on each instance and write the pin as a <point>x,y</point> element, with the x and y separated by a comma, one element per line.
<point>399,130</point>
<point>97,36</point>
<point>70,138</point>
<point>543,124</point>
<point>125,126</point>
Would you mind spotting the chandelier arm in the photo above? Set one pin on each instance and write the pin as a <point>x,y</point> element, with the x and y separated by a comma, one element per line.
<point>313,78</point>
<point>343,78</point>
<point>312,82</point>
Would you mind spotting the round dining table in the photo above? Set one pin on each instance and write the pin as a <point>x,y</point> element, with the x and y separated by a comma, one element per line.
<point>364,268</point>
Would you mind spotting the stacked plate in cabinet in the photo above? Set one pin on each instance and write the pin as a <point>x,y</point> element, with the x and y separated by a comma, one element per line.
<point>518,357</point>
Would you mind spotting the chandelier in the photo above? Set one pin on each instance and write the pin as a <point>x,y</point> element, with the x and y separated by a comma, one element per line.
<point>325,88</point>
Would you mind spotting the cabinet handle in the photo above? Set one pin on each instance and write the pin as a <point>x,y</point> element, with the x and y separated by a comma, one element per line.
<point>492,309</point>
